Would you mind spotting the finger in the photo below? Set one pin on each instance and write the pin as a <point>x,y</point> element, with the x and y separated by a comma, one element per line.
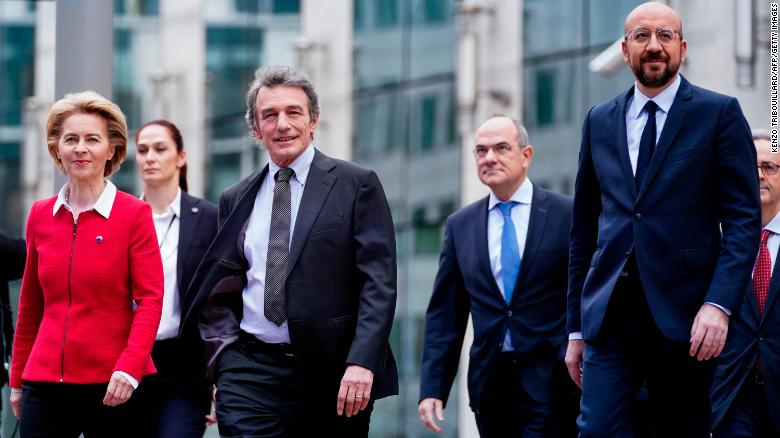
<point>341,399</point>
<point>350,401</point>
<point>439,410</point>
<point>696,340</point>
<point>366,396</point>
<point>426,415</point>
<point>125,392</point>
<point>108,398</point>
<point>706,345</point>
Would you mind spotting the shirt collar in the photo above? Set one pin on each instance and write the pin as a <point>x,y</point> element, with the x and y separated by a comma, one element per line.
<point>300,166</point>
<point>664,100</point>
<point>103,204</point>
<point>774,224</point>
<point>522,195</point>
<point>175,204</point>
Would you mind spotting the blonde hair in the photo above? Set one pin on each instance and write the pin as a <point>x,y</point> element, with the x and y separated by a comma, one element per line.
<point>88,102</point>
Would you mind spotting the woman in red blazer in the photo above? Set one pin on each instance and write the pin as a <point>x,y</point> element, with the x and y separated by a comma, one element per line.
<point>81,345</point>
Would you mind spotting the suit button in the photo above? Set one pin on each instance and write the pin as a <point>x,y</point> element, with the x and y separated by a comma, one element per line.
<point>761,337</point>
<point>500,344</point>
<point>638,217</point>
<point>628,253</point>
<point>509,314</point>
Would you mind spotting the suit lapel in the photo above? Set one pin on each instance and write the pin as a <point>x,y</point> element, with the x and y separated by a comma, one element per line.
<point>318,185</point>
<point>229,237</point>
<point>481,244</point>
<point>621,138</point>
<point>536,222</point>
<point>674,121</point>
<point>189,218</point>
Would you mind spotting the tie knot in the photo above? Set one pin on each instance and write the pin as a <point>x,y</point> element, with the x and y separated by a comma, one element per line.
<point>650,107</point>
<point>765,235</point>
<point>506,207</point>
<point>283,174</point>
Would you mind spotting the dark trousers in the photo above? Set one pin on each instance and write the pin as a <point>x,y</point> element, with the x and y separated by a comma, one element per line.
<point>260,394</point>
<point>631,350</point>
<point>172,403</point>
<point>507,410</point>
<point>62,410</point>
<point>748,416</point>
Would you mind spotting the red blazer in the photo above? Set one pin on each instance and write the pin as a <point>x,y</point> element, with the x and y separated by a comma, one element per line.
<point>76,320</point>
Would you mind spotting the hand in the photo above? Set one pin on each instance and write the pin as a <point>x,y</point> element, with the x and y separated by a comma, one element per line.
<point>709,331</point>
<point>16,403</point>
<point>211,418</point>
<point>426,409</point>
<point>355,390</point>
<point>574,353</point>
<point>119,391</point>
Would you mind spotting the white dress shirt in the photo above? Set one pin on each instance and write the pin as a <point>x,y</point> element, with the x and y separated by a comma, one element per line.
<point>636,117</point>
<point>167,227</point>
<point>773,242</point>
<point>102,206</point>
<point>256,248</point>
<point>521,214</point>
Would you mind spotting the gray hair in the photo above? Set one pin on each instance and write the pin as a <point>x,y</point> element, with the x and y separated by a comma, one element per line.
<point>522,133</point>
<point>760,134</point>
<point>278,76</point>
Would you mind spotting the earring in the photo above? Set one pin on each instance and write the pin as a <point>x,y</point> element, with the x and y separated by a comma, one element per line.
<point>58,157</point>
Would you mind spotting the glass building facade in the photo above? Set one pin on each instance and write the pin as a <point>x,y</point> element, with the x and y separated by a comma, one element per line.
<point>404,128</point>
<point>560,37</point>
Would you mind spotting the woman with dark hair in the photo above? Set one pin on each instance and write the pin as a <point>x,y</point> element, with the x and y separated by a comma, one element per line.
<point>92,286</point>
<point>175,401</point>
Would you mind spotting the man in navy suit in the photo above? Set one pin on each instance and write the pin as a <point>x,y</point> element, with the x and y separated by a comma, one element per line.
<point>664,232</point>
<point>503,260</point>
<point>745,397</point>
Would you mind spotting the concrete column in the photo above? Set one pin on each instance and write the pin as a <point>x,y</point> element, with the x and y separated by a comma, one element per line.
<point>182,80</point>
<point>325,56</point>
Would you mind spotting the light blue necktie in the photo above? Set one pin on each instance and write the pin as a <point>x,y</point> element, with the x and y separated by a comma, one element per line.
<point>510,251</point>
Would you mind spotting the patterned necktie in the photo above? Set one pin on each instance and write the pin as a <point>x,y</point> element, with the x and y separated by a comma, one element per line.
<point>646,144</point>
<point>278,249</point>
<point>762,272</point>
<point>510,251</point>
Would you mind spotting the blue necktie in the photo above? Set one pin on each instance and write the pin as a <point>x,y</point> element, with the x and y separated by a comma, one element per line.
<point>510,251</point>
<point>646,144</point>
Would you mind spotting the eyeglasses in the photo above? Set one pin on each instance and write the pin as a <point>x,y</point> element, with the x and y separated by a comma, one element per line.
<point>769,169</point>
<point>642,35</point>
<point>502,148</point>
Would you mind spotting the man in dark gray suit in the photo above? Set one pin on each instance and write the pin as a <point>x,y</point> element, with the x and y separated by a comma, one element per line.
<point>296,296</point>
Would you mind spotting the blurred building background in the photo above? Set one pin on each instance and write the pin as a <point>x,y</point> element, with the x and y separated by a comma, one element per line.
<point>403,85</point>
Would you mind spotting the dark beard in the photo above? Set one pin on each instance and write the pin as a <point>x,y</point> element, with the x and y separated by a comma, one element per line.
<point>653,81</point>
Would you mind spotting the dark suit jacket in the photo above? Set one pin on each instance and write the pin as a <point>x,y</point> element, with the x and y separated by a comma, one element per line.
<point>536,316</point>
<point>750,336</point>
<point>13,254</point>
<point>197,227</point>
<point>694,225</point>
<point>341,285</point>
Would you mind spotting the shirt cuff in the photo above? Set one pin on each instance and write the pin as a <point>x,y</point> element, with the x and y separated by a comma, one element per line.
<point>725,310</point>
<point>575,336</point>
<point>130,379</point>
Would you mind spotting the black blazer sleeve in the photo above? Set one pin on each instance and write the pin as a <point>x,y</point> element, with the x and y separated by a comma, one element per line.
<point>13,253</point>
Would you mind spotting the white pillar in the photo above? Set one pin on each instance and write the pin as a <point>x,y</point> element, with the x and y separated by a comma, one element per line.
<point>325,56</point>
<point>183,66</point>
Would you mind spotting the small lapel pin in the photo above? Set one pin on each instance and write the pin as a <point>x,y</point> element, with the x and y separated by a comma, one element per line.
<point>194,209</point>
<point>99,239</point>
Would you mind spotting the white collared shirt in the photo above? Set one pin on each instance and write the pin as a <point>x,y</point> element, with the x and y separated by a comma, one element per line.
<point>167,227</point>
<point>773,242</point>
<point>636,117</point>
<point>256,248</point>
<point>102,206</point>
<point>521,214</point>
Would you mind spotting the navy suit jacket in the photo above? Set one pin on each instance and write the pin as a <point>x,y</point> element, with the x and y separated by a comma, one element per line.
<point>693,226</point>
<point>341,279</point>
<point>535,316</point>
<point>750,336</point>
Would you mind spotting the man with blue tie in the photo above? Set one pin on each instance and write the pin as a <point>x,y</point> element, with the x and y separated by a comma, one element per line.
<point>745,396</point>
<point>504,261</point>
<point>665,229</point>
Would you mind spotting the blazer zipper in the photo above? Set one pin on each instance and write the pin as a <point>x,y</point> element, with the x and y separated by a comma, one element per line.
<point>70,300</point>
